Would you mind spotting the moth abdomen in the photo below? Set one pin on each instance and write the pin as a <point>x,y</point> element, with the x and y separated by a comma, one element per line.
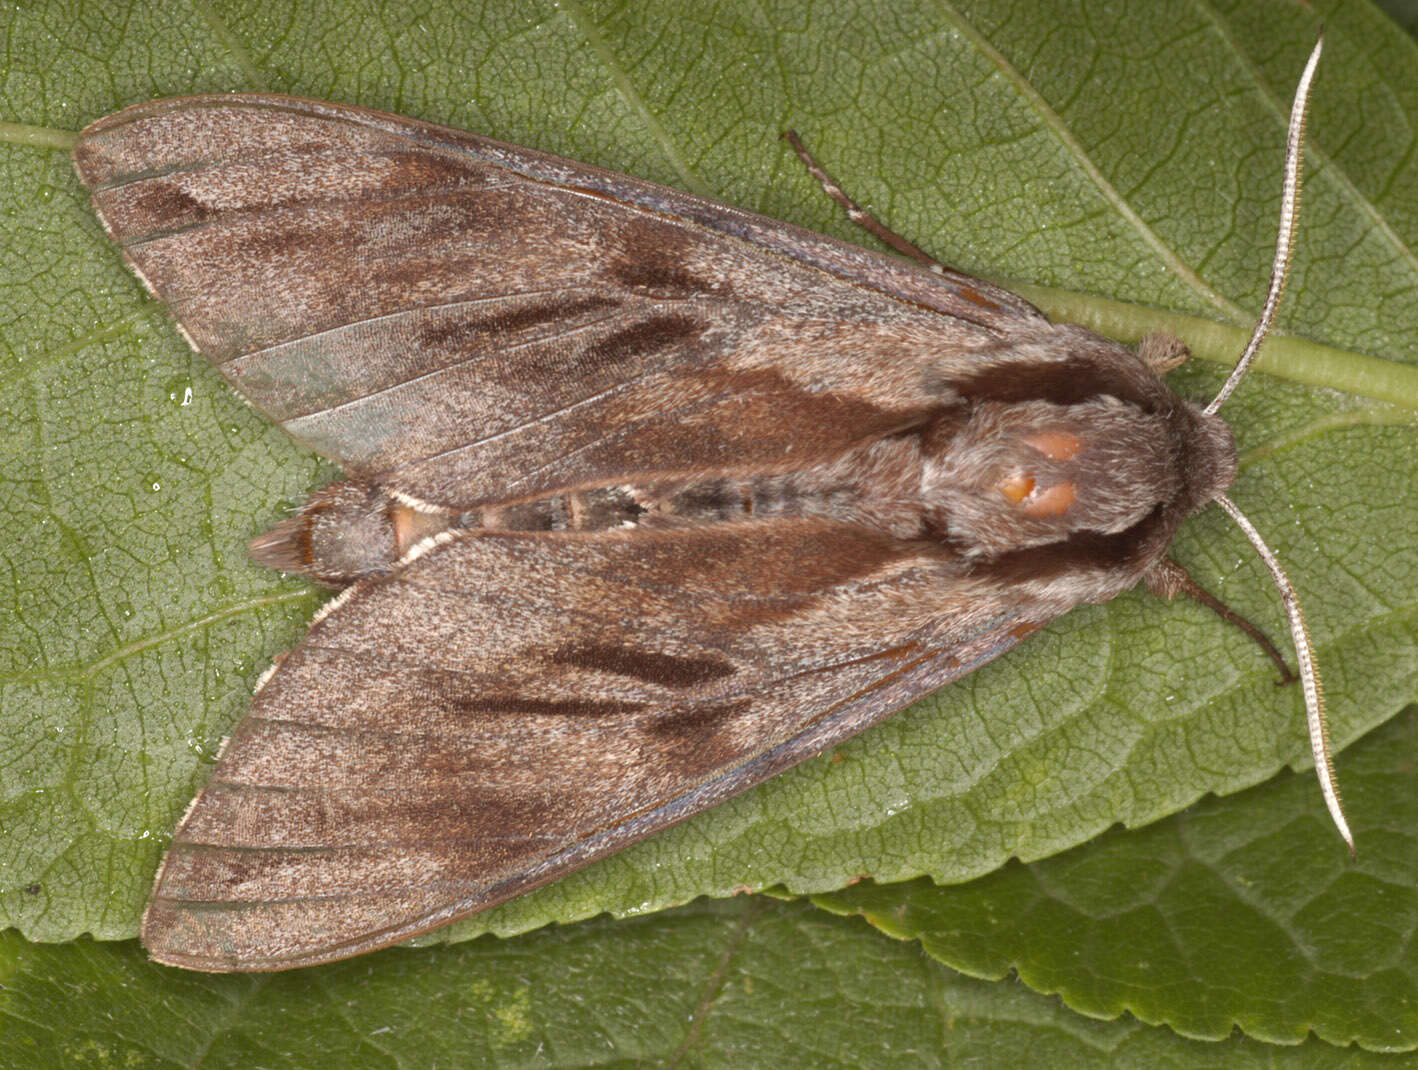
<point>593,509</point>
<point>343,532</point>
<point>349,531</point>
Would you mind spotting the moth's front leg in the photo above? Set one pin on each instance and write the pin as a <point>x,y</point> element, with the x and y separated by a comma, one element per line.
<point>1167,579</point>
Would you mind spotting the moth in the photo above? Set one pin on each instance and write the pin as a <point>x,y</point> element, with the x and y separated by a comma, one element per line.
<point>648,499</point>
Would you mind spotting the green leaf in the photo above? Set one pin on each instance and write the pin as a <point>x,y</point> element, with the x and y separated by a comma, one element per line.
<point>1229,915</point>
<point>1134,156</point>
<point>1403,12</point>
<point>735,983</point>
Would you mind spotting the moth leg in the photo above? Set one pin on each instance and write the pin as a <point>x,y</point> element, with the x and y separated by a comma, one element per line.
<point>1162,352</point>
<point>1167,579</point>
<point>855,212</point>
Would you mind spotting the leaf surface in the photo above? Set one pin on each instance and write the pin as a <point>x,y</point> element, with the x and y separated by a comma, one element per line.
<point>1230,915</point>
<point>132,627</point>
<point>735,983</point>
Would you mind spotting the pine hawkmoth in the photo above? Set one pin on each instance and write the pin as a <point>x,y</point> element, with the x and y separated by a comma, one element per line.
<point>648,499</point>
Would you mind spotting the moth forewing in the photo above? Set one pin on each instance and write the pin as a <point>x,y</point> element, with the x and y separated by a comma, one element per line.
<point>494,745</point>
<point>650,498</point>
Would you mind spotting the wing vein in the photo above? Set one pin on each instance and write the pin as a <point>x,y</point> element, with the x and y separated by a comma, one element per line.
<point>466,302</point>
<point>552,336</point>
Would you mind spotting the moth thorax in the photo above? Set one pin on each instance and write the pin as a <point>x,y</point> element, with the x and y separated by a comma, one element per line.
<point>1012,475</point>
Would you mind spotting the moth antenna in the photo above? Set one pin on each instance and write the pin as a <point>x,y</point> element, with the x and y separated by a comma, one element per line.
<point>1285,237</point>
<point>1299,632</point>
<point>1309,674</point>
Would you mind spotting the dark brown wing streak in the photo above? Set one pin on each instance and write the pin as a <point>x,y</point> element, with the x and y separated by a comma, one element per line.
<point>443,314</point>
<point>509,707</point>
